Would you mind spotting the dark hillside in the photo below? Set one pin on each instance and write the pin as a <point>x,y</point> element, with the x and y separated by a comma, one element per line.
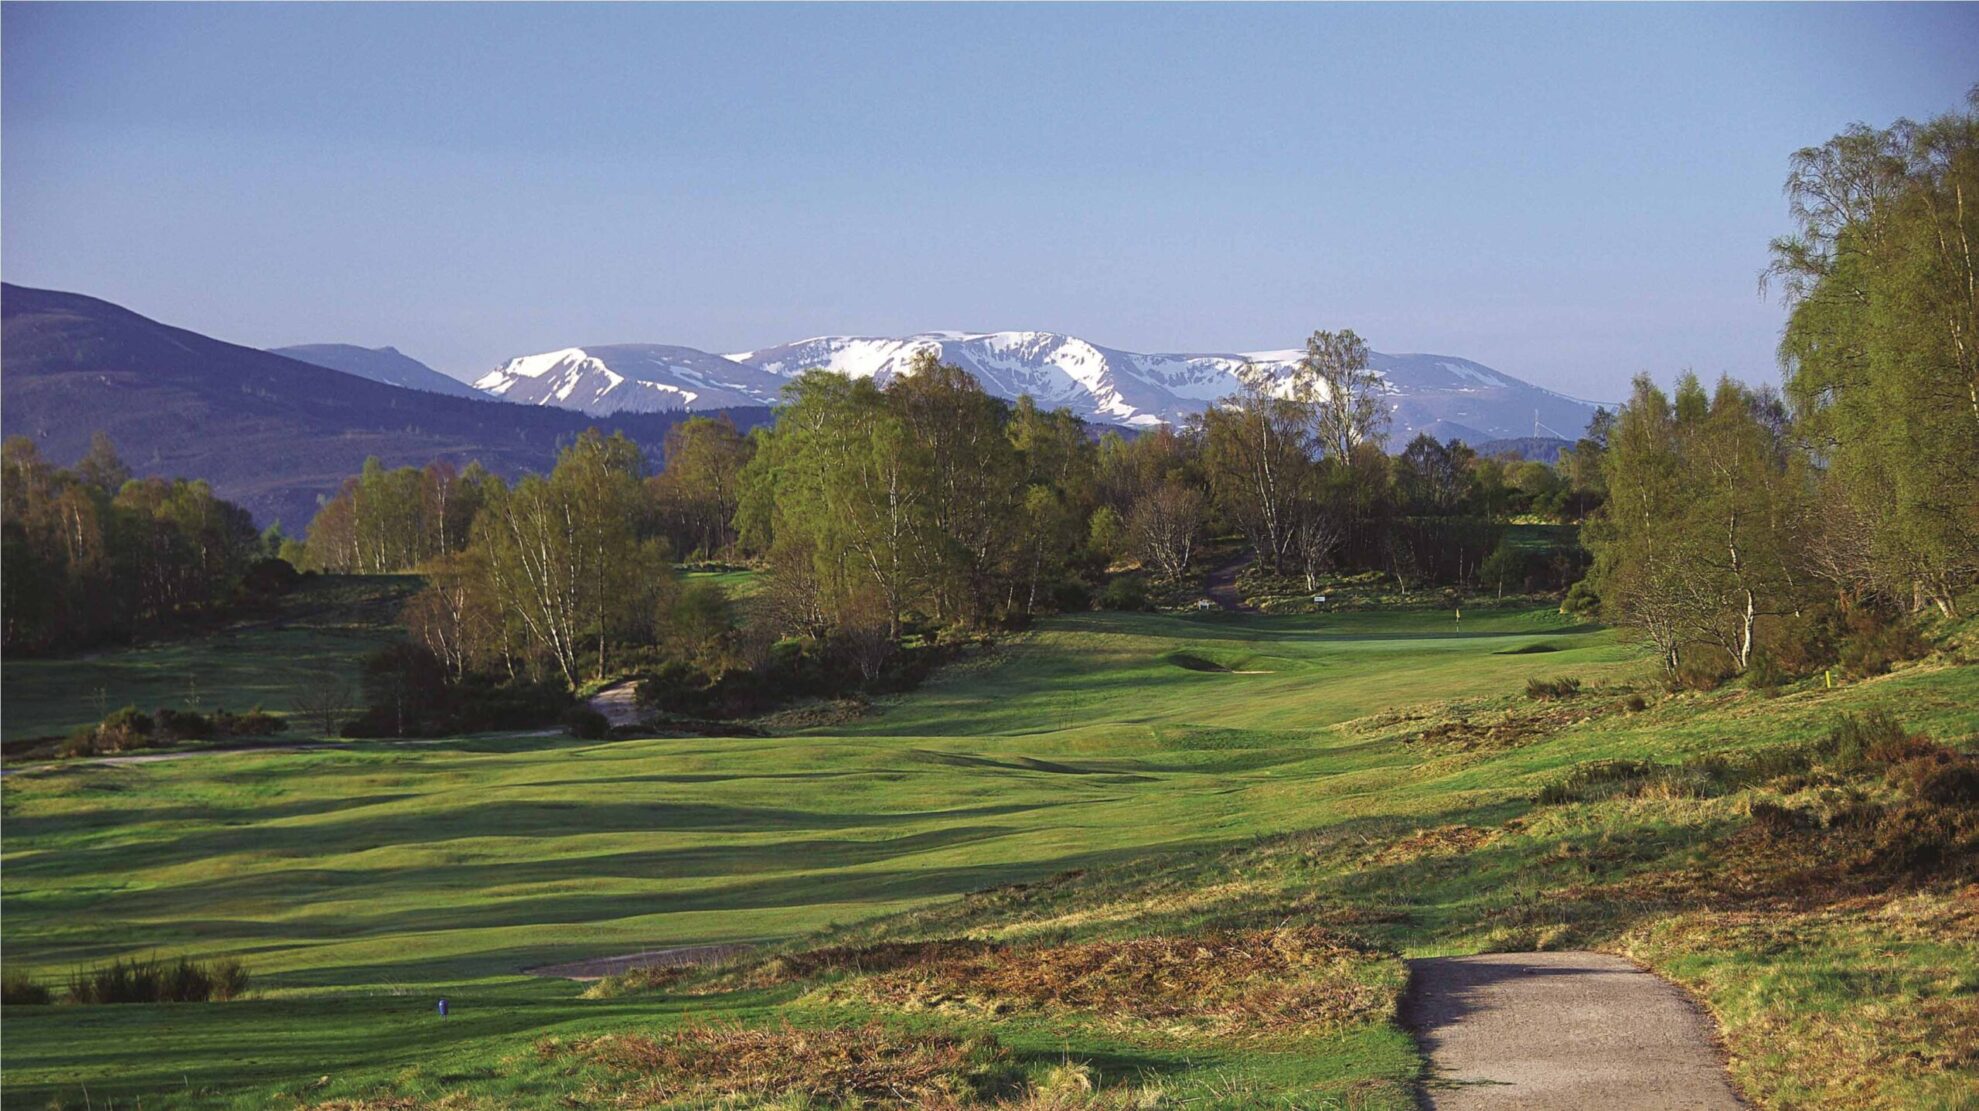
<point>269,432</point>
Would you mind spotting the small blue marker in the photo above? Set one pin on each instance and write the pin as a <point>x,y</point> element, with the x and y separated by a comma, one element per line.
<point>443,1008</point>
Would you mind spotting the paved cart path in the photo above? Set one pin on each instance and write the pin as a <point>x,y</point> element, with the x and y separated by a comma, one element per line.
<point>1568,1031</point>
<point>619,704</point>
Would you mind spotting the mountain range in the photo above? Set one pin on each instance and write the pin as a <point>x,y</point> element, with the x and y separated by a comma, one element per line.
<point>1446,396</point>
<point>270,432</point>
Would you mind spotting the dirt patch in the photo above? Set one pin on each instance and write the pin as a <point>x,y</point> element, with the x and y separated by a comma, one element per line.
<point>1255,981</point>
<point>870,1065</point>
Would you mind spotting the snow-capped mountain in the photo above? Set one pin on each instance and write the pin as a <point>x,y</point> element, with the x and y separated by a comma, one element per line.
<point>1445,395</point>
<point>639,377</point>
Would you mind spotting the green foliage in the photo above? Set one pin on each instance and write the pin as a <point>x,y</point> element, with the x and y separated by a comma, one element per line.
<point>1126,593</point>
<point>93,555</point>
<point>1582,599</point>
<point>696,495</point>
<point>384,521</point>
<point>1882,368</point>
<point>1698,540</point>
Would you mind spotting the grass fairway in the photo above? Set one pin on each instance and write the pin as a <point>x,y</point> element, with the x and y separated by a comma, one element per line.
<point>327,624</point>
<point>1153,764</point>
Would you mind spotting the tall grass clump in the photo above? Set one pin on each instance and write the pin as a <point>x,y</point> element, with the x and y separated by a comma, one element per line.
<point>1547,690</point>
<point>17,986</point>
<point>150,981</point>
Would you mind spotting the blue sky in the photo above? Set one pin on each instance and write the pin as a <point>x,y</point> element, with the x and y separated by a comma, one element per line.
<point>1570,194</point>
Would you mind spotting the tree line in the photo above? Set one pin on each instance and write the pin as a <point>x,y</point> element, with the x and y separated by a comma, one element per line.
<point>1755,530</point>
<point>93,554</point>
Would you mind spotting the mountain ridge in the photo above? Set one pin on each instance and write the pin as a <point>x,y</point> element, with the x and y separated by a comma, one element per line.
<point>379,364</point>
<point>1426,392</point>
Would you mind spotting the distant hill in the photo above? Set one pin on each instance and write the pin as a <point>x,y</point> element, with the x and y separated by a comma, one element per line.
<point>270,432</point>
<point>1537,449</point>
<point>380,364</point>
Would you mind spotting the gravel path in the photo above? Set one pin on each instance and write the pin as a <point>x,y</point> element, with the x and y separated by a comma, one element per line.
<point>1561,1032</point>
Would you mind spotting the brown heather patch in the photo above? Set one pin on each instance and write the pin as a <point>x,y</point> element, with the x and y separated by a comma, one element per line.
<point>1454,840</point>
<point>872,1064</point>
<point>1510,728</point>
<point>789,968</point>
<point>1252,981</point>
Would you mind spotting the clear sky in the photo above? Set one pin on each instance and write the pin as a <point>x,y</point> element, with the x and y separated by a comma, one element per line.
<point>1570,194</point>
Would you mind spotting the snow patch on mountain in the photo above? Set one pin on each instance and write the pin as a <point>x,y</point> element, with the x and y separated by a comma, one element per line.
<point>637,377</point>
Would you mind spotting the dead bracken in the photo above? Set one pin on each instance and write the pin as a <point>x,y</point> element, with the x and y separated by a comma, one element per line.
<point>1255,981</point>
<point>872,1064</point>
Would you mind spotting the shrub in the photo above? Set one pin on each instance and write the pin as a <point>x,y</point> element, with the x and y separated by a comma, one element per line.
<point>1070,596</point>
<point>255,723</point>
<point>1547,690</point>
<point>1765,674</point>
<point>1853,740</point>
<point>184,725</point>
<point>1125,592</point>
<point>1803,643</point>
<point>1875,641</point>
<point>1581,600</point>
<point>1699,675</point>
<point>122,731</point>
<point>148,981</point>
<point>17,987</point>
<point>586,724</point>
<point>230,978</point>
<point>270,577</point>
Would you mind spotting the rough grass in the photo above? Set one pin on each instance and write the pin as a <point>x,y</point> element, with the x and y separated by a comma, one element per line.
<point>327,624</point>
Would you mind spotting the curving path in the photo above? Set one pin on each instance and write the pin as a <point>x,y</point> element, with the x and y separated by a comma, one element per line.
<point>619,703</point>
<point>1221,586</point>
<point>1561,1032</point>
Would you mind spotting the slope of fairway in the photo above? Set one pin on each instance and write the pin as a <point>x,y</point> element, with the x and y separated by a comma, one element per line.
<point>1105,776</point>
<point>428,862</point>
